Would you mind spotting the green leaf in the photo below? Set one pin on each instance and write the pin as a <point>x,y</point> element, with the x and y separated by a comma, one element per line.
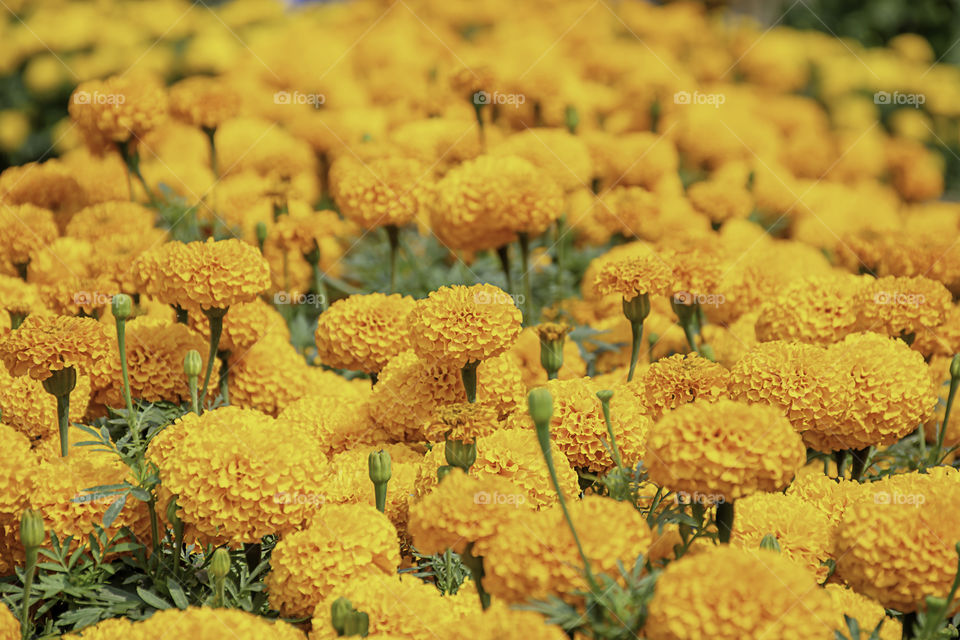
<point>114,510</point>
<point>141,494</point>
<point>153,599</point>
<point>176,592</point>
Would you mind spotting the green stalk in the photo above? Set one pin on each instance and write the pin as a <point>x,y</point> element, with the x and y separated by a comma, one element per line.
<point>469,375</point>
<point>30,570</point>
<point>380,496</point>
<point>132,160</point>
<point>636,329</point>
<point>941,434</point>
<point>194,400</point>
<point>605,396</point>
<point>724,520</point>
<point>16,319</point>
<point>211,132</point>
<point>127,397</point>
<point>63,422</point>
<point>215,316</point>
<point>393,237</point>
<point>320,287</point>
<point>859,463</point>
<point>503,252</point>
<point>475,564</point>
<point>154,524</point>
<point>224,375</point>
<point>524,241</point>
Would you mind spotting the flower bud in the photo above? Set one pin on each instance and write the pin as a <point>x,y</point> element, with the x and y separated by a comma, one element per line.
<point>261,233</point>
<point>637,309</point>
<point>540,404</point>
<point>442,471</point>
<point>955,367</point>
<point>605,395</point>
<point>552,337</point>
<point>220,564</point>
<point>192,363</point>
<point>357,624</point>
<point>32,533</point>
<point>769,541</point>
<point>378,463</point>
<point>61,382</point>
<point>340,611</point>
<point>460,454</point>
<point>121,305</point>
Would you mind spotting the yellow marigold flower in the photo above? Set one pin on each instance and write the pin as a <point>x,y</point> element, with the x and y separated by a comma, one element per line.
<point>817,310</point>
<point>336,423</point>
<point>892,393</point>
<point>485,202</point>
<point>868,613</point>
<point>155,352</point>
<point>79,296</point>
<point>579,429</point>
<point>204,275</point>
<point>402,607</point>
<point>463,421</point>
<point>728,593</point>
<point>940,341</point>
<point>50,185</point>
<point>513,454</point>
<point>348,543</point>
<point>715,449</point>
<point>903,306</point>
<point>9,625</point>
<point>636,275</point>
<point>18,464</point>
<point>458,325</point>
<point>121,218</point>
<point>12,553</point>
<point>732,342</point>
<point>204,102</point>
<point>24,229</point>
<point>542,542</point>
<point>117,109</point>
<point>48,343</point>
<point>18,297</point>
<point>525,352</point>
<point>561,155</point>
<point>464,509</point>
<point>62,259</point>
<point>244,326</point>
<point>501,622</point>
<point>384,191</point>
<point>302,230</point>
<point>236,479</point>
<point>68,510</point>
<point>363,332</point>
<point>29,409</point>
<point>802,530</point>
<point>198,622</point>
<point>672,382</point>
<point>349,480</point>
<point>896,544</point>
<point>445,140</point>
<point>696,272</point>
<point>721,200</point>
<point>831,496</point>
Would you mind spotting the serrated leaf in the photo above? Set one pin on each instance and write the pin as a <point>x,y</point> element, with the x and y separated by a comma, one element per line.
<point>114,510</point>
<point>153,599</point>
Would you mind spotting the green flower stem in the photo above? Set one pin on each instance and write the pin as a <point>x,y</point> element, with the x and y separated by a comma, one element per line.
<point>211,133</point>
<point>469,375</point>
<point>60,383</point>
<point>215,316</point>
<point>194,400</point>
<point>183,316</point>
<point>224,375</point>
<point>320,287</point>
<point>393,237</point>
<point>16,319</point>
<point>605,396</point>
<point>127,397</point>
<point>724,520</point>
<point>524,240</point>
<point>859,463</point>
<point>63,422</point>
<point>29,571</point>
<point>475,564</point>
<point>478,110</point>
<point>380,496</point>
<point>636,330</point>
<point>954,381</point>
<point>132,160</point>
<point>687,317</point>
<point>561,250</point>
<point>840,458</point>
<point>253,553</point>
<point>503,252</point>
<point>154,524</point>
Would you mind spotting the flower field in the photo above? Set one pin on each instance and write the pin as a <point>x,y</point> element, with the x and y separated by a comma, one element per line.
<point>555,319</point>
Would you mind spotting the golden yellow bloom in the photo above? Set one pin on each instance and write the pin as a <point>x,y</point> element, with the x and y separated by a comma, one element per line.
<point>346,543</point>
<point>203,275</point>
<point>198,622</point>
<point>728,593</point>
<point>525,352</point>
<point>18,297</point>
<point>62,259</point>
<point>579,429</point>
<point>349,479</point>
<point>542,542</point>
<point>464,509</point>
<point>458,325</point>
<point>205,102</point>
<point>817,310</point>
<point>384,191</point>
<point>29,409</point>
<point>117,109</point>
<point>513,454</point>
<point>463,421</point>
<point>501,622</point>
<point>79,296</point>
<point>48,185</point>
<point>122,218</point>
<point>363,332</point>
<point>903,306</point>
<point>24,229</point>
<point>335,423</point>
<point>635,275</point>
<point>561,155</point>
<point>155,352</point>
<point>896,544</point>
<point>721,200</point>
<point>723,450</point>
<point>48,343</point>
<point>19,465</point>
<point>830,495</point>
<point>9,625</point>
<point>244,326</point>
<point>273,484</point>
<point>868,613</point>
<point>802,530</point>
<point>672,382</point>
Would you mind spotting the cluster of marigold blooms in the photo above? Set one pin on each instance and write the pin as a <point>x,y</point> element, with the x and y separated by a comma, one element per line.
<point>736,350</point>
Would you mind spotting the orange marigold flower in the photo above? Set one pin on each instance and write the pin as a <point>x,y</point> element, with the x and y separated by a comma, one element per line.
<point>18,297</point>
<point>48,343</point>
<point>118,218</point>
<point>867,612</point>
<point>463,421</point>
<point>723,449</point>
<point>384,191</point>
<point>560,154</point>
<point>348,543</point>
<point>349,479</point>
<point>16,480</point>
<point>458,325</point>
<point>903,306</point>
<point>117,109</point>
<point>336,423</point>
<point>24,229</point>
<point>197,622</point>
<point>645,273</point>
<point>155,352</point>
<point>818,310</point>
<point>672,382</point>
<point>25,406</point>
<point>204,102</point>
<point>363,332</point>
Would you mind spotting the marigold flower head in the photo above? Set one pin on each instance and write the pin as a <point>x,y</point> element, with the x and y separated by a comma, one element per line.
<point>729,593</point>
<point>117,109</point>
<point>155,352</point>
<point>62,259</point>
<point>721,200</point>
<point>384,191</point>
<point>725,449</point>
<point>525,352</point>
<point>18,297</point>
<point>817,310</point>
<point>903,306</point>
<point>198,622</point>
<point>363,332</point>
<point>236,479</point>
<point>79,296</point>
<point>16,479</point>
<point>500,622</point>
<point>205,102</point>
<point>513,454</point>
<point>464,509</point>
<point>9,625</point>
<point>896,544</point>
<point>349,479</point>
<point>802,530</point>
<point>24,229</point>
<point>672,382</point>
<point>560,154</point>
<point>199,276</point>
<point>335,423</point>
<point>244,326</point>
<point>32,411</point>
<point>541,541</point>
<point>303,230</point>
<point>458,325</point>
<point>646,273</point>
<point>463,421</point>
<point>696,271</point>
<point>47,343</point>
<point>121,218</point>
<point>347,544</point>
<point>51,185</point>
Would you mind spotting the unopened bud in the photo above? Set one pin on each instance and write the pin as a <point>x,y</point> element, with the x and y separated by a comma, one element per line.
<point>378,463</point>
<point>61,382</point>
<point>955,367</point>
<point>552,336</point>
<point>460,454</point>
<point>769,541</point>
<point>637,308</point>
<point>261,233</point>
<point>340,611</point>
<point>32,533</point>
<point>540,404</point>
<point>192,363</point>
<point>220,564</point>
<point>121,305</point>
